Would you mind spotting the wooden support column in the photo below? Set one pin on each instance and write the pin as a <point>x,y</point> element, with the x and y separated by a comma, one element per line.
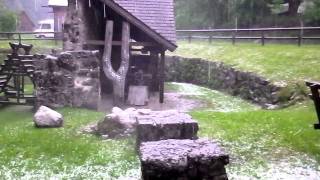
<point>154,70</point>
<point>108,45</point>
<point>161,78</point>
<point>118,78</point>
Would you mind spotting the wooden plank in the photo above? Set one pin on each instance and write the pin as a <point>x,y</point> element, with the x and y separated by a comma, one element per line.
<point>118,43</point>
<point>313,84</point>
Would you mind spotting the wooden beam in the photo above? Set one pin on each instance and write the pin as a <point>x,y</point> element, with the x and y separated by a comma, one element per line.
<point>118,43</point>
<point>161,78</point>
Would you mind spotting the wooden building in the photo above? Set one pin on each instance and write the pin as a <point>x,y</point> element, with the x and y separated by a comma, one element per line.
<point>59,9</point>
<point>132,36</point>
<point>25,23</point>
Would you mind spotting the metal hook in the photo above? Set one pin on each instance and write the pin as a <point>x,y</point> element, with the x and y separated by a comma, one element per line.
<point>89,3</point>
<point>76,4</point>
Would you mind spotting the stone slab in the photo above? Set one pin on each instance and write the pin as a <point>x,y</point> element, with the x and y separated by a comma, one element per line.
<point>138,95</point>
<point>162,125</point>
<point>183,159</point>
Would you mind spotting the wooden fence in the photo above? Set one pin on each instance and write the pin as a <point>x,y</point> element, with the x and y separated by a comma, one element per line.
<point>261,34</point>
<point>30,36</point>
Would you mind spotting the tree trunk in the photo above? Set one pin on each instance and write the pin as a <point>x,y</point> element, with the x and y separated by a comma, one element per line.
<point>293,7</point>
<point>118,78</point>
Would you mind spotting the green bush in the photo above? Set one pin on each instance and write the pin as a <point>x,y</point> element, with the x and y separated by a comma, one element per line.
<point>7,20</point>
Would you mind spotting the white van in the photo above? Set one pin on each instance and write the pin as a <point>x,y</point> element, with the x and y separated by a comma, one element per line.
<point>45,26</point>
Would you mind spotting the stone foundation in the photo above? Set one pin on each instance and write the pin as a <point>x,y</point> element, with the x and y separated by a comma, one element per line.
<point>183,160</point>
<point>162,125</point>
<point>217,75</point>
<point>68,79</point>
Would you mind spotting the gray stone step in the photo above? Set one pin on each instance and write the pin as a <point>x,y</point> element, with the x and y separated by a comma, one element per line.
<point>183,159</point>
<point>161,125</point>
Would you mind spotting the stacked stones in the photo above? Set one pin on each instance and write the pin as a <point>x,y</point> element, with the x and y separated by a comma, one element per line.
<point>169,149</point>
<point>217,75</point>
<point>68,79</point>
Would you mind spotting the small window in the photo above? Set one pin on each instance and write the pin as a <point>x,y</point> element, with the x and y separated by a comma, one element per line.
<point>46,26</point>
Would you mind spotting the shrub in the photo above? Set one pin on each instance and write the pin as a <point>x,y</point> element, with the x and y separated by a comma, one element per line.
<point>7,20</point>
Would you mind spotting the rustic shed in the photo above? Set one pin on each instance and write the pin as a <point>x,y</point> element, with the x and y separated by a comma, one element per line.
<point>25,23</point>
<point>132,36</point>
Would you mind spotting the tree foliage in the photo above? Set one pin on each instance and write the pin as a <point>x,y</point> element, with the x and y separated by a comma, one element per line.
<point>312,16</point>
<point>7,19</point>
<point>243,13</point>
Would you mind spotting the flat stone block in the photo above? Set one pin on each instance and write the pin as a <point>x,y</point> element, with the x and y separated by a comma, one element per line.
<point>183,159</point>
<point>162,125</point>
<point>138,95</point>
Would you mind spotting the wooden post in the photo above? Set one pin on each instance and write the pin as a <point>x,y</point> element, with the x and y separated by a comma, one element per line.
<point>234,38</point>
<point>299,40</point>
<point>300,36</point>
<point>315,96</point>
<point>189,38</point>
<point>262,38</point>
<point>19,38</point>
<point>118,78</point>
<point>155,71</point>
<point>108,40</point>
<point>161,79</point>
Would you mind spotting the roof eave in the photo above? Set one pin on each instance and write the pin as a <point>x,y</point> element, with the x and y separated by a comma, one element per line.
<point>144,27</point>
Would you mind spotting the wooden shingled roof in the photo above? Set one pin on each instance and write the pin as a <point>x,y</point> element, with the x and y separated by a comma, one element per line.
<point>155,17</point>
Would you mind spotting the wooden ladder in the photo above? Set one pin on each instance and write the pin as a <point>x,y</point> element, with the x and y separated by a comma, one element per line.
<point>13,75</point>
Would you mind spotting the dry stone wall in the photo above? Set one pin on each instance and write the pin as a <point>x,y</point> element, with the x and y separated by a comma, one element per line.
<point>217,75</point>
<point>68,79</point>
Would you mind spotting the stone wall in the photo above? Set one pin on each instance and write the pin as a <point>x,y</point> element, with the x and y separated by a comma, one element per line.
<point>217,75</point>
<point>68,79</point>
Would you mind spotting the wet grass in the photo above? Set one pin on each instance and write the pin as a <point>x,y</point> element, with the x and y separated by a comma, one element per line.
<point>28,152</point>
<point>279,62</point>
<point>212,100</point>
<point>277,144</point>
<point>261,139</point>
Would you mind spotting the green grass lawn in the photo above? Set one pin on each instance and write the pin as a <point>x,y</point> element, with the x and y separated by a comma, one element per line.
<point>262,144</point>
<point>260,140</point>
<point>27,152</point>
<point>277,62</point>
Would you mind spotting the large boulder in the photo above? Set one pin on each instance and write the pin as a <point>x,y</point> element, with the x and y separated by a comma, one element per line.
<point>47,118</point>
<point>119,123</point>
